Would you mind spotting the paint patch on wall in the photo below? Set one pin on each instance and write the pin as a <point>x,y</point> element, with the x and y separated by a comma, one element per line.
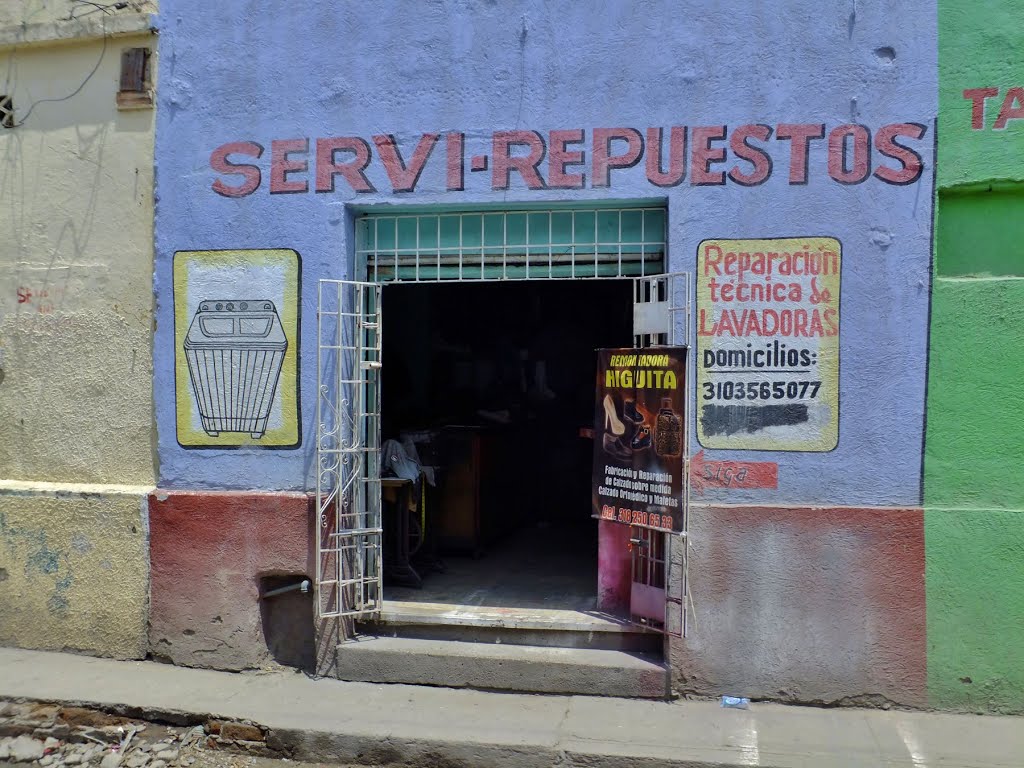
<point>236,348</point>
<point>705,473</point>
<point>73,572</point>
<point>831,605</point>
<point>768,344</point>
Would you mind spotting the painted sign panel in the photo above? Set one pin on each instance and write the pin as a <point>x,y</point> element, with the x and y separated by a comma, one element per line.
<point>639,438</point>
<point>236,340</point>
<point>768,344</point>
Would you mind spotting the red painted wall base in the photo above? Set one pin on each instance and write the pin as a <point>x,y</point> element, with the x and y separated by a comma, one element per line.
<point>208,551</point>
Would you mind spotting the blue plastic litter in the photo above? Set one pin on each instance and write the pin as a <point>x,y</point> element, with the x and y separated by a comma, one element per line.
<point>735,702</point>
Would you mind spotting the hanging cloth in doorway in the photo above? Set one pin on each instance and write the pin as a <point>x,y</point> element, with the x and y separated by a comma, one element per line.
<point>398,462</point>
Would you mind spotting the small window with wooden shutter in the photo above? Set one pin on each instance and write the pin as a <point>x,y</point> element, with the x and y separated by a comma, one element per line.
<point>136,90</point>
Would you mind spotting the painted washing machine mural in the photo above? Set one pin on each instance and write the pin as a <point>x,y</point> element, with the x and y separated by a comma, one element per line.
<point>235,349</point>
<point>236,355</point>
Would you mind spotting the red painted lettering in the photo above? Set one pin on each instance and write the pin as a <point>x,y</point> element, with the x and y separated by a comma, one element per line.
<point>220,161</point>
<point>559,156</point>
<point>676,157</point>
<point>403,178</point>
<point>978,97</point>
<point>800,136</point>
<point>843,168</point>
<point>1014,96</point>
<point>712,258</point>
<point>526,165</point>
<point>703,155</point>
<point>757,157</point>
<point>456,175</point>
<point>281,165</point>
<point>911,165</point>
<point>353,170</point>
<point>603,159</point>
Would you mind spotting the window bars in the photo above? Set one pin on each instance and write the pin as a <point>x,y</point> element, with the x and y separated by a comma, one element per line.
<point>512,245</point>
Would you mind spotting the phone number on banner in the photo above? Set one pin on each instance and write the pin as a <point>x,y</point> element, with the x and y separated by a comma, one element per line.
<point>761,390</point>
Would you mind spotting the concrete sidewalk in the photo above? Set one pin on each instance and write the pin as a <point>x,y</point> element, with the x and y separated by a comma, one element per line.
<point>328,720</point>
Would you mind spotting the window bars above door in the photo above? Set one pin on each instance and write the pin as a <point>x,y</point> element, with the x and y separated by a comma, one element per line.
<point>512,245</point>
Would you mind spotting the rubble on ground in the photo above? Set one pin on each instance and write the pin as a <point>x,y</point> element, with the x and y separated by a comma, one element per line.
<point>53,736</point>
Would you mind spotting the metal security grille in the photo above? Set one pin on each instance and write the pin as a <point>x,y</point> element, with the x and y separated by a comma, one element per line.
<point>348,501</point>
<point>512,245</point>
<point>660,575</point>
<point>648,568</point>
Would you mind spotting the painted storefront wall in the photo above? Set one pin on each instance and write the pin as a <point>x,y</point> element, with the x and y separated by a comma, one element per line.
<point>76,428</point>
<point>974,491</point>
<point>854,546</point>
<point>860,549</point>
<point>72,519</point>
<point>812,126</point>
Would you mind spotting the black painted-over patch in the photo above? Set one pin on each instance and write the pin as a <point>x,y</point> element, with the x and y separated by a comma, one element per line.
<point>730,419</point>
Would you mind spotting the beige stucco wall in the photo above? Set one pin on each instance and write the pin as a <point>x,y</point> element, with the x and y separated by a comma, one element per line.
<point>76,287</point>
<point>22,13</point>
<point>76,267</point>
<point>74,569</point>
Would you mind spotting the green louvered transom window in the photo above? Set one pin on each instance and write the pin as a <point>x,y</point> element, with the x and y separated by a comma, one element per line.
<point>512,244</point>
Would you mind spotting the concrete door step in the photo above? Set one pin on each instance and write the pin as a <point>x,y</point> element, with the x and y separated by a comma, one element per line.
<point>512,626</point>
<point>523,668</point>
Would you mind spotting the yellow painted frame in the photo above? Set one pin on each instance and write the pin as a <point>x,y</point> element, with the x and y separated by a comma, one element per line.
<point>828,351</point>
<point>288,434</point>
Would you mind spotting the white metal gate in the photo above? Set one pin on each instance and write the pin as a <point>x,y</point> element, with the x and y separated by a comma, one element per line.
<point>661,317</point>
<point>348,500</point>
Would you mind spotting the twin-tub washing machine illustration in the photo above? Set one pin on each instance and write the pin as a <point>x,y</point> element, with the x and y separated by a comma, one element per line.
<point>235,349</point>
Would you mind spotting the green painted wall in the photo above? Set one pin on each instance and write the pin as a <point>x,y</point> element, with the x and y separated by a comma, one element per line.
<point>974,524</point>
<point>975,588</point>
<point>975,441</point>
<point>973,486</point>
<point>980,233</point>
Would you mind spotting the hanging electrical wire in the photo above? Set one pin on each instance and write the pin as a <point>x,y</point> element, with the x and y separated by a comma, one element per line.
<point>96,8</point>
<point>96,66</point>
<point>106,9</point>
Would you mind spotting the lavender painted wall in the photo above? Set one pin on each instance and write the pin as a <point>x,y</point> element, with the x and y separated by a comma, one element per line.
<point>261,72</point>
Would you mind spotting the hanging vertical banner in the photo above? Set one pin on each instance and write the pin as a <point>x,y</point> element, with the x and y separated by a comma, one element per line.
<point>768,344</point>
<point>640,437</point>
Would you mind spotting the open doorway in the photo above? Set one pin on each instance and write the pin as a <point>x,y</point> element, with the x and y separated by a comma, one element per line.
<point>489,387</point>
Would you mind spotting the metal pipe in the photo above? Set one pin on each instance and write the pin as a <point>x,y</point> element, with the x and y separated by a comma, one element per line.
<point>302,586</point>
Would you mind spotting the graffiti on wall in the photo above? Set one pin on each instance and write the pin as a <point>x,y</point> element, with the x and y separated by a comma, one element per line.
<point>707,473</point>
<point>768,344</point>
<point>236,329</point>
<point>711,155</point>
<point>43,299</point>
